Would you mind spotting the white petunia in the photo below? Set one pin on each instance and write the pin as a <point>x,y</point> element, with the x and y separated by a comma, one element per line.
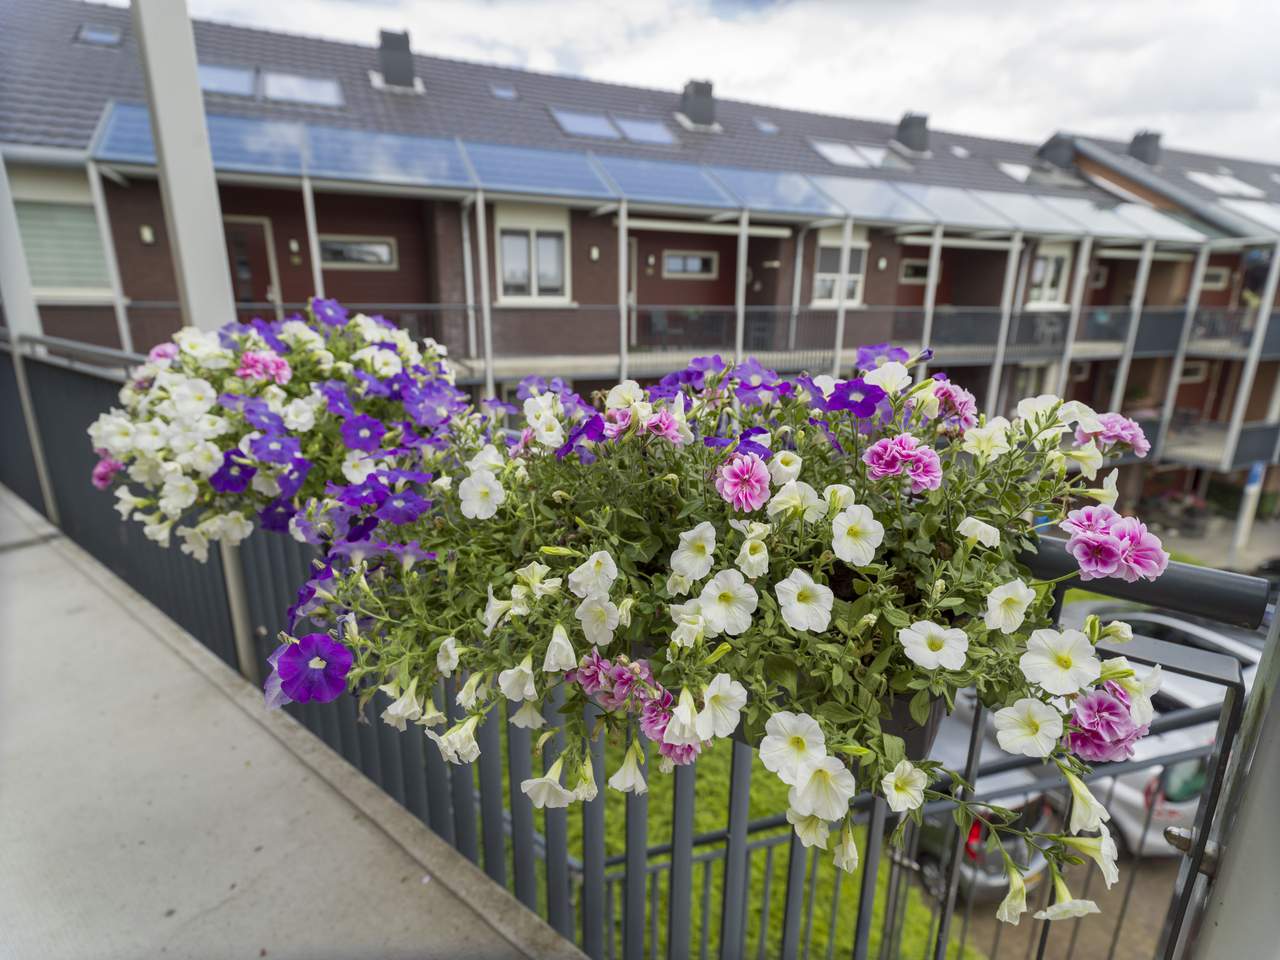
<point>682,728</point>
<point>690,628</point>
<point>823,789</point>
<point>804,604</point>
<point>193,397</point>
<point>838,496</point>
<point>356,467</point>
<point>624,395</point>
<point>1061,663</point>
<point>473,691</point>
<point>126,503</point>
<point>546,791</point>
<point>812,831</point>
<point>1101,849</point>
<point>1007,606</point>
<point>791,740</point>
<point>988,441</point>
<point>678,586</point>
<point>586,789</point>
<point>891,377</point>
<point>495,611</point>
<point>1028,727</point>
<point>1035,408</point>
<point>299,416</point>
<point>845,855</point>
<point>930,646</point>
<point>797,498</point>
<point>629,778</point>
<point>1089,458</point>
<point>534,576</point>
<point>599,618</point>
<point>1065,906</point>
<point>978,531</point>
<point>560,655</point>
<point>516,683</point>
<point>696,552</point>
<point>406,709</point>
<point>458,743</point>
<point>447,656</point>
<point>487,459</point>
<point>784,467</point>
<point>722,702</point>
<point>753,558</point>
<point>727,602</point>
<point>178,493</point>
<point>1140,688</point>
<point>480,494</point>
<point>903,786</point>
<point>529,716</point>
<point>1108,493</point>
<point>1014,904</point>
<point>1087,814</point>
<point>594,576</point>
<point>855,535</point>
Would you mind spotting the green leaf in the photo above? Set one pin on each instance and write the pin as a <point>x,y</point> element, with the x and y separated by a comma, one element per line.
<point>895,750</point>
<point>896,617</point>
<point>919,707</point>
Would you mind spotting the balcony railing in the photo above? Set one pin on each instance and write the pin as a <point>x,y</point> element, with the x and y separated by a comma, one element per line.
<point>746,888</point>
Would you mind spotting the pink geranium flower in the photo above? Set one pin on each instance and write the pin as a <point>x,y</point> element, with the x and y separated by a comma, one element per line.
<point>743,481</point>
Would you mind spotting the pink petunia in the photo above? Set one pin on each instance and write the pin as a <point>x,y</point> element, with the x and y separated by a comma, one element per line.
<point>680,754</point>
<point>104,471</point>
<point>743,481</point>
<point>957,408</point>
<point>1116,429</point>
<point>664,424</point>
<point>1104,730</point>
<point>616,422</point>
<point>1097,553</point>
<point>1092,519</point>
<point>1142,555</point>
<point>904,454</point>
<point>264,365</point>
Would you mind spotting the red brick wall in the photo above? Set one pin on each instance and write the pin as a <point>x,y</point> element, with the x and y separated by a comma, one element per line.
<point>96,325</point>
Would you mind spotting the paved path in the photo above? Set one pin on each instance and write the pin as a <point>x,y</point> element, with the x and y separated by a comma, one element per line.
<point>149,807</point>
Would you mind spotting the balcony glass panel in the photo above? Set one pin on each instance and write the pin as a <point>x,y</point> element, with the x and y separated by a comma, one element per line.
<point>1037,333</point>
<point>527,170</point>
<point>656,181</point>
<point>768,192</point>
<point>1103,324</point>
<point>873,200</point>
<point>1159,330</point>
<point>1222,331</point>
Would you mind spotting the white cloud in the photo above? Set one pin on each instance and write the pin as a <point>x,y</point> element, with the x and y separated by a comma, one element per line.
<point>1201,72</point>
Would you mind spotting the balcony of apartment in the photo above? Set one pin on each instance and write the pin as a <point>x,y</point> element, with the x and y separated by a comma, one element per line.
<point>1228,332</point>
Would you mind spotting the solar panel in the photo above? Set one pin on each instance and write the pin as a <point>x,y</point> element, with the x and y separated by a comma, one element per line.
<point>873,200</point>
<point>767,192</point>
<point>385,158</point>
<point>656,181</point>
<point>126,135</point>
<point>955,207</point>
<point>255,146</point>
<point>529,170</point>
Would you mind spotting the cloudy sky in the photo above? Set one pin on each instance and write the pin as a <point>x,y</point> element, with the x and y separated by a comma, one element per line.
<point>1203,72</point>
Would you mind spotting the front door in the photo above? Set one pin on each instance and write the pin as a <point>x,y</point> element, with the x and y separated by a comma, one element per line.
<point>254,282</point>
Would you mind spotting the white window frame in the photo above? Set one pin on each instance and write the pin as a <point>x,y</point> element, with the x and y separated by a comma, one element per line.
<point>1216,285</point>
<point>1194,371</point>
<point>1050,252</point>
<point>532,219</point>
<point>712,255</point>
<point>68,296</point>
<point>359,238</point>
<point>906,281</point>
<point>1080,371</point>
<point>831,237</point>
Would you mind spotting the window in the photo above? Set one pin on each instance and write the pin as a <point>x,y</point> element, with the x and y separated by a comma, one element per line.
<point>503,91</point>
<point>959,151</point>
<point>579,124</point>
<point>913,272</point>
<point>644,131</point>
<point>690,264</point>
<point>769,127</point>
<point>292,87</point>
<point>343,252</point>
<point>1049,271</point>
<point>233,81</point>
<point>63,246</point>
<point>98,36</point>
<point>1224,183</point>
<point>847,154</point>
<point>827,275</point>
<point>1194,371</point>
<point>1216,278</point>
<point>540,276</point>
<point>1099,276</point>
<point>1016,171</point>
<point>1080,371</point>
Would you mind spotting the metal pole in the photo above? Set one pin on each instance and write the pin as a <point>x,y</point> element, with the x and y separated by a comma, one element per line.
<point>238,603</point>
<point>33,431</point>
<point>1079,285</point>
<point>468,279</point>
<point>740,288</point>
<point>623,309</point>
<point>842,283</point>
<point>1266,305</point>
<point>109,255</point>
<point>1006,311</point>
<point>797,275</point>
<point>1135,321</point>
<point>20,312</point>
<point>1180,354</point>
<point>486,313</point>
<point>192,210</point>
<point>930,296</point>
<point>313,236</point>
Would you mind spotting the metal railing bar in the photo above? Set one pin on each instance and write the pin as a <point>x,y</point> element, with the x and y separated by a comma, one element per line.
<point>637,805</point>
<point>492,808</point>
<point>1088,880</point>
<point>953,866</point>
<point>762,938</point>
<point>1138,857</point>
<point>812,898</point>
<point>556,825</point>
<point>653,916</point>
<point>735,863</point>
<point>608,921</point>
<point>833,917</point>
<point>392,762</point>
<point>439,787</point>
<point>415,774</point>
<point>593,845</point>
<point>705,935</point>
<point>461,785</point>
<point>870,876</point>
<point>793,899</point>
<point>681,883</point>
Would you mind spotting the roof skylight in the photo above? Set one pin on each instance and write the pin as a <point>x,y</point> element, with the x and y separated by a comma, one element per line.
<point>846,154</point>
<point>233,81</point>
<point>766,126</point>
<point>1016,171</point>
<point>958,151</point>
<point>1224,184</point>
<point>98,35</point>
<point>295,88</point>
<point>578,123</point>
<point>644,131</point>
<point>503,91</point>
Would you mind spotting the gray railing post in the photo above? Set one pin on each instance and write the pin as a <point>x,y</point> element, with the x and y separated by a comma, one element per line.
<point>1006,313</point>
<point>930,296</point>
<point>238,608</point>
<point>1266,305</point>
<point>1079,286</point>
<point>1136,304</point>
<point>740,286</point>
<point>33,433</point>
<point>624,309</point>
<point>1180,354</point>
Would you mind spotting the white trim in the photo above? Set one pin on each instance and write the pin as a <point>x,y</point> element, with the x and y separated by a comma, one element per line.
<point>904,280</point>
<point>1057,295</point>
<point>73,296</point>
<point>273,269</point>
<point>532,219</point>
<point>1194,371</point>
<point>697,226</point>
<point>713,255</point>
<point>1099,276</point>
<point>1216,285</point>
<point>358,238</point>
<point>839,298</point>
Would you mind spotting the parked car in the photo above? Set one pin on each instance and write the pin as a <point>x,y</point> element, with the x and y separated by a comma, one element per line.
<point>982,871</point>
<point>1170,794</point>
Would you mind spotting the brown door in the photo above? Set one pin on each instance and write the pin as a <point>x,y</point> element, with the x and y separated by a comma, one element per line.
<point>249,258</point>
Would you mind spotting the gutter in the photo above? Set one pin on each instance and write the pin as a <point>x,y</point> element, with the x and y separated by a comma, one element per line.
<point>44,156</point>
<point>1138,172</point>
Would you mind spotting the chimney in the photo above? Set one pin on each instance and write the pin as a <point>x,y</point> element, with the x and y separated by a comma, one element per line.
<point>1145,146</point>
<point>913,132</point>
<point>698,104</point>
<point>1059,150</point>
<point>395,59</point>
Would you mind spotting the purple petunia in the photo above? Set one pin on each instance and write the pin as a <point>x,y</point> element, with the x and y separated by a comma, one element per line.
<point>314,669</point>
<point>234,474</point>
<point>363,433</point>
<point>273,693</point>
<point>275,447</point>
<point>337,399</point>
<point>292,479</point>
<point>857,396</point>
<point>870,357</point>
<point>403,507</point>
<point>330,312</point>
<point>276,515</point>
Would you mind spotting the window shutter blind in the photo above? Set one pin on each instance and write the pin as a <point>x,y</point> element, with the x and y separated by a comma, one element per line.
<point>62,245</point>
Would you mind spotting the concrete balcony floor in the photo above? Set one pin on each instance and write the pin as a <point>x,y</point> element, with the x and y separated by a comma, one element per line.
<point>151,807</point>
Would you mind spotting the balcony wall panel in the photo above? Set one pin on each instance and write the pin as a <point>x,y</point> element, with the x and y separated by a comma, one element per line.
<point>17,466</point>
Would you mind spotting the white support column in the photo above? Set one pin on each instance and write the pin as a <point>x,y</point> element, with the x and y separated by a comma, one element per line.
<point>1266,305</point>
<point>1006,312</point>
<point>109,255</point>
<point>1180,354</point>
<point>486,312</point>
<point>192,211</point>
<point>313,237</point>
<point>1079,286</point>
<point>624,308</point>
<point>797,277</point>
<point>930,296</point>
<point>468,279</point>
<point>740,287</point>
<point>1135,321</point>
<point>15,278</point>
<point>842,285</point>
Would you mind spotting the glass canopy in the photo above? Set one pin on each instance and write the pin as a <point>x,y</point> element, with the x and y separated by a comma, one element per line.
<point>952,206</point>
<point>765,191</point>
<point>657,181</point>
<point>1259,211</point>
<point>528,170</point>
<point>873,200</point>
<point>1028,212</point>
